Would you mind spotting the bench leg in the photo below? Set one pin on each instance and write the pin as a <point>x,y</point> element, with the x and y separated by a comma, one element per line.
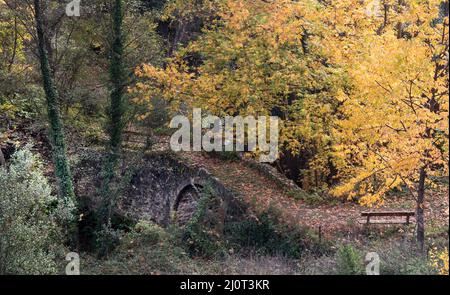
<point>368,219</point>
<point>407,219</point>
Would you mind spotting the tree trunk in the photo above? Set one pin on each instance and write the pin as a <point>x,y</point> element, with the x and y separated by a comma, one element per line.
<point>116,110</point>
<point>117,78</point>
<point>420,210</point>
<point>59,151</point>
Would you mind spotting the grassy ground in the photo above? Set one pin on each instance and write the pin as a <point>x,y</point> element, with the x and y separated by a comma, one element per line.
<point>158,251</point>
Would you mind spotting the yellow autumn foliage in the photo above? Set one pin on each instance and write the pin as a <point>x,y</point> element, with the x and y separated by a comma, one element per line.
<point>396,114</point>
<point>362,85</point>
<point>257,58</point>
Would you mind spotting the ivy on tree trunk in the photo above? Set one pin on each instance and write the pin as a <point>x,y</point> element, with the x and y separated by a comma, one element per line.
<point>117,78</point>
<point>116,110</point>
<point>59,150</point>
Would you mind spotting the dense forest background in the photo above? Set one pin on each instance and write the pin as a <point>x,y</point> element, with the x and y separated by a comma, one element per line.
<point>361,90</point>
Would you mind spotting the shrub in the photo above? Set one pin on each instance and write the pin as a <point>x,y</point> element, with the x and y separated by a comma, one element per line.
<point>146,249</point>
<point>107,239</point>
<point>148,233</point>
<point>404,260</point>
<point>414,266</point>
<point>268,234</point>
<point>201,235</point>
<point>30,238</point>
<point>350,261</point>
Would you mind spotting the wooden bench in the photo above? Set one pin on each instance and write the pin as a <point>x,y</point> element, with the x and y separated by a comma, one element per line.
<point>401,220</point>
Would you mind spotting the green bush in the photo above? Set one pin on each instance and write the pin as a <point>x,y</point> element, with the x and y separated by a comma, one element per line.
<point>148,233</point>
<point>201,237</point>
<point>404,260</point>
<point>107,239</point>
<point>146,249</point>
<point>30,239</point>
<point>267,234</point>
<point>350,261</point>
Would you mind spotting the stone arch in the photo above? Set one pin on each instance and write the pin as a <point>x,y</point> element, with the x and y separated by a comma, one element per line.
<point>188,187</point>
<point>186,203</point>
<point>186,200</point>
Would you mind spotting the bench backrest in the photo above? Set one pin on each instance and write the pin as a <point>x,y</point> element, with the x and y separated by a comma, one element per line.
<point>389,213</point>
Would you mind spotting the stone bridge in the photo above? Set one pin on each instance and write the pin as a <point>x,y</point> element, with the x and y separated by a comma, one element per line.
<point>165,190</point>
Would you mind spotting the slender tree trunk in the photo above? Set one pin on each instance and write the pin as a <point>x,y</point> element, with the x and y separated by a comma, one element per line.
<point>117,78</point>
<point>59,150</point>
<point>420,210</point>
<point>116,110</point>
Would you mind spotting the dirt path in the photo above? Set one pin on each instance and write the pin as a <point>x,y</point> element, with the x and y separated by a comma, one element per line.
<point>262,192</point>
